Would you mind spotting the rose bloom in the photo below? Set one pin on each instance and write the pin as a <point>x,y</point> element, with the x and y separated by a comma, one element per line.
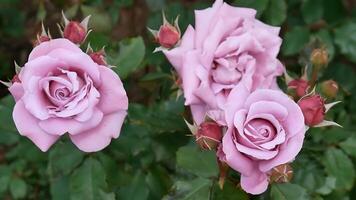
<point>227,47</point>
<point>265,129</point>
<point>60,89</point>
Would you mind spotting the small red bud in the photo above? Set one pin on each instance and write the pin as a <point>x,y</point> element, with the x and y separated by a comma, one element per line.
<point>40,39</point>
<point>281,174</point>
<point>209,135</point>
<point>330,88</point>
<point>313,108</point>
<point>15,79</point>
<point>75,32</point>
<point>99,57</point>
<point>168,36</point>
<point>300,86</point>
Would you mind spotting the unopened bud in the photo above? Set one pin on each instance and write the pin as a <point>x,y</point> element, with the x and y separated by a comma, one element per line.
<point>168,35</point>
<point>209,135</point>
<point>330,88</point>
<point>15,79</point>
<point>300,86</point>
<point>75,31</point>
<point>99,57</point>
<point>319,57</point>
<point>43,37</point>
<point>281,174</point>
<point>313,108</point>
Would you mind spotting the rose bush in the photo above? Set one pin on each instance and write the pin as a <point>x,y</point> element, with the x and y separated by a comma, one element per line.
<point>228,47</point>
<point>61,89</point>
<point>265,129</point>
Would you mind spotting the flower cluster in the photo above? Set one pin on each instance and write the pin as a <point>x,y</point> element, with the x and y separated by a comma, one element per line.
<point>61,89</point>
<point>228,68</point>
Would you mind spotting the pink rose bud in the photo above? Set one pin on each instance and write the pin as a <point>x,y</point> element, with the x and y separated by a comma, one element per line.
<point>99,57</point>
<point>319,57</point>
<point>75,31</point>
<point>330,88</point>
<point>313,108</point>
<point>168,35</point>
<point>281,174</point>
<point>15,79</point>
<point>44,37</point>
<point>209,135</point>
<point>300,86</point>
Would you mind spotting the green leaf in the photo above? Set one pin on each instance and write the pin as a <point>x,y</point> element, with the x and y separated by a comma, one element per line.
<point>130,57</point>
<point>200,163</point>
<point>276,12</point>
<point>63,158</point>
<point>18,188</point>
<point>230,192</point>
<point>338,165</point>
<point>295,40</point>
<point>328,187</point>
<point>288,191</point>
<point>312,10</point>
<point>345,39</point>
<point>197,189</point>
<point>349,146</point>
<point>100,20</point>
<point>9,134</point>
<point>88,182</point>
<point>5,175</point>
<point>259,5</point>
<point>136,190</point>
<point>60,188</point>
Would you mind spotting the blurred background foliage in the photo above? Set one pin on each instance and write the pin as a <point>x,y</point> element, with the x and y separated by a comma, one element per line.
<point>154,158</point>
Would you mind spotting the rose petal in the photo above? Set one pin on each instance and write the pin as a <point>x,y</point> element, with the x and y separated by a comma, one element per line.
<point>268,107</point>
<point>112,93</point>
<point>295,120</point>
<point>45,47</point>
<point>35,100</point>
<point>287,152</point>
<point>175,56</point>
<point>60,126</point>
<point>255,184</point>
<point>203,21</point>
<point>27,126</point>
<point>16,91</point>
<point>190,79</point>
<point>234,158</point>
<point>98,138</point>
<point>78,61</point>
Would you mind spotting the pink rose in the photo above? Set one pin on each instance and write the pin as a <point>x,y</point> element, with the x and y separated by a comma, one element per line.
<point>60,90</point>
<point>228,47</point>
<point>265,129</point>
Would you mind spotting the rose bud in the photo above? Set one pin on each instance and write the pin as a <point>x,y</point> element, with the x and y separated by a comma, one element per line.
<point>300,86</point>
<point>168,35</point>
<point>281,174</point>
<point>209,135</point>
<point>99,57</point>
<point>15,79</point>
<point>319,57</point>
<point>330,88</point>
<point>313,108</point>
<point>44,37</point>
<point>75,31</point>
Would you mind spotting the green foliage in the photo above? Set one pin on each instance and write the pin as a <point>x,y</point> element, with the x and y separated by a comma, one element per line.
<point>154,158</point>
